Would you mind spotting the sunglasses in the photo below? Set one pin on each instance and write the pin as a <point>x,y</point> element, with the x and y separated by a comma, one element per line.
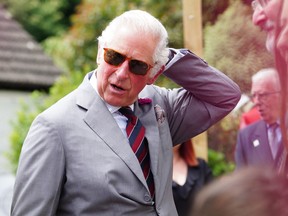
<point>115,58</point>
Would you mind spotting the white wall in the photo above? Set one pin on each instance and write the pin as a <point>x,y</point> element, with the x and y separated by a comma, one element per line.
<point>9,105</point>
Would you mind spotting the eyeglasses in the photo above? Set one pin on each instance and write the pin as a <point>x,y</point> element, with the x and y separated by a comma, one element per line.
<point>259,4</point>
<point>115,58</point>
<point>262,96</point>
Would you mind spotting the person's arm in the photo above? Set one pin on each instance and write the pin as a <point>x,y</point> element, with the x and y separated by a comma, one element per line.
<point>205,82</point>
<point>40,172</point>
<point>207,95</point>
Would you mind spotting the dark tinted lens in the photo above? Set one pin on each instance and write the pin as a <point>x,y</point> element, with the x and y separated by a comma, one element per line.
<point>138,67</point>
<point>114,58</point>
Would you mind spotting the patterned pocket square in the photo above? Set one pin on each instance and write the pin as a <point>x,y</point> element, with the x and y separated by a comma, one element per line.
<point>160,114</point>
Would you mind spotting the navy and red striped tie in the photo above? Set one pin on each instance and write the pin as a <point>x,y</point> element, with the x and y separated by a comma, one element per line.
<point>139,144</point>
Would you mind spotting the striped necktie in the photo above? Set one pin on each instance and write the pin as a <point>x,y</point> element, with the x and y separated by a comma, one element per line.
<point>139,144</point>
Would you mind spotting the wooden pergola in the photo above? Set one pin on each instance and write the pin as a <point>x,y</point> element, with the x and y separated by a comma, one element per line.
<point>193,40</point>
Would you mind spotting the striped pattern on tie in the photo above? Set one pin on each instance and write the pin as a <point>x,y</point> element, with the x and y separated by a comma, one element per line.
<point>139,144</point>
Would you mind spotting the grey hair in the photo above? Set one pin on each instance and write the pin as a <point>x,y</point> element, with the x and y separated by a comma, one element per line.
<point>146,24</point>
<point>269,74</point>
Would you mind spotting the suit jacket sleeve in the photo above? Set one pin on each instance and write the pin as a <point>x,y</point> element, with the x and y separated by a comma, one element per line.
<point>43,165</point>
<point>206,95</point>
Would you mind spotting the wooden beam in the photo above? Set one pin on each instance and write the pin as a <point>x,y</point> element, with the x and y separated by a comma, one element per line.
<point>193,40</point>
<point>192,25</point>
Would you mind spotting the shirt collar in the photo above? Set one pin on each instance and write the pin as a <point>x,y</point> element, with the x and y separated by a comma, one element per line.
<point>269,125</point>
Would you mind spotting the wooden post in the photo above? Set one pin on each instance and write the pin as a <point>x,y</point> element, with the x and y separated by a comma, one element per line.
<point>193,40</point>
<point>192,25</point>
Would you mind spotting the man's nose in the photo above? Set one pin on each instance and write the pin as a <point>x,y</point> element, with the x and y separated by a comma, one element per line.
<point>259,17</point>
<point>256,101</point>
<point>123,70</point>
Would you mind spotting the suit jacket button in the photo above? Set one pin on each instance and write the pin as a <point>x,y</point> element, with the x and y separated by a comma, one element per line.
<point>147,198</point>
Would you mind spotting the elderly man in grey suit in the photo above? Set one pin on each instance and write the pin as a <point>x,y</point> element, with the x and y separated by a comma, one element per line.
<point>77,158</point>
<point>259,144</point>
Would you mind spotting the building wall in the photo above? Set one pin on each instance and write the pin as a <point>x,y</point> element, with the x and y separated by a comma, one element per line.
<point>9,105</point>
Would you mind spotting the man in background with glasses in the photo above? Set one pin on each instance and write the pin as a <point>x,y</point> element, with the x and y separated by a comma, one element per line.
<point>259,144</point>
<point>77,158</point>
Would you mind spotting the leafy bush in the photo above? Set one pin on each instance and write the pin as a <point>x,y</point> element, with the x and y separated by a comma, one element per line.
<point>40,18</point>
<point>235,46</point>
<point>20,128</point>
<point>218,163</point>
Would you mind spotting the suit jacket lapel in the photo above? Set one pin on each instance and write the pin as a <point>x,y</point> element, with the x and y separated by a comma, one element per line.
<point>96,116</point>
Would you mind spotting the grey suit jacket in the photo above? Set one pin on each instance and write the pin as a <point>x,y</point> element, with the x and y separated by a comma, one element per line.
<point>76,161</point>
<point>253,147</point>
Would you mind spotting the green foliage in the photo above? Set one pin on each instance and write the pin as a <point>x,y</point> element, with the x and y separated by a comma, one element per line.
<point>41,18</point>
<point>63,86</point>
<point>20,128</point>
<point>235,46</point>
<point>223,135</point>
<point>218,163</point>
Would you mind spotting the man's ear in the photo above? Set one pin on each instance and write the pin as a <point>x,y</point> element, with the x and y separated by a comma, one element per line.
<point>99,54</point>
<point>154,78</point>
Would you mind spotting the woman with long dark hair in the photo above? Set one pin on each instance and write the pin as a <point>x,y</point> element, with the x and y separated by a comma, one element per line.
<point>190,174</point>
